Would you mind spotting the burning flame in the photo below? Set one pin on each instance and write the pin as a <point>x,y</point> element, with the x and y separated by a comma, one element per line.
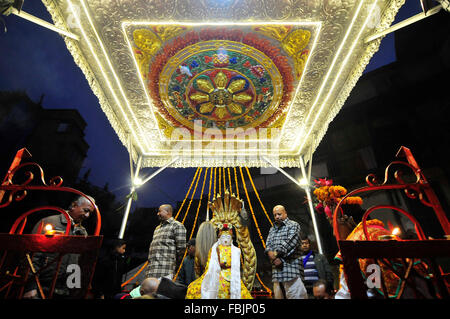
<point>48,228</point>
<point>396,231</point>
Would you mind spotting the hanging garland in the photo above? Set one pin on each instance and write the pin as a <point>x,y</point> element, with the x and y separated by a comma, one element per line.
<point>251,209</point>
<point>215,176</point>
<point>235,179</point>
<point>264,286</point>
<point>329,195</point>
<point>196,180</point>
<point>192,197</point>
<point>187,194</point>
<point>257,195</point>
<point>220,181</point>
<point>199,204</point>
<point>229,179</point>
<point>195,222</point>
<point>209,193</point>
<point>224,180</point>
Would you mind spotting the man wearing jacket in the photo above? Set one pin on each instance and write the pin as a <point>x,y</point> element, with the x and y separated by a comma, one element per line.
<point>315,266</point>
<point>79,210</point>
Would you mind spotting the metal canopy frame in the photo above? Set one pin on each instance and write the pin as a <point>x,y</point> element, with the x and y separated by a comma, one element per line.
<point>91,44</point>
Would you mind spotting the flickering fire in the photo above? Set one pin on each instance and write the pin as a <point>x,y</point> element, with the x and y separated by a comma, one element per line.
<point>396,231</point>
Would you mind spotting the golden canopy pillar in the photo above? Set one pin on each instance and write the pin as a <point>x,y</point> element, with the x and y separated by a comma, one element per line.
<point>229,83</point>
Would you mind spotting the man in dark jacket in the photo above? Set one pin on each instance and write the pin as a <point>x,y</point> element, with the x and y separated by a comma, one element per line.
<point>187,271</point>
<point>109,271</point>
<point>79,210</point>
<point>315,266</point>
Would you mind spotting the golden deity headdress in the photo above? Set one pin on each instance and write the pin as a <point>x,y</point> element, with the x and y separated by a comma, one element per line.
<point>226,218</point>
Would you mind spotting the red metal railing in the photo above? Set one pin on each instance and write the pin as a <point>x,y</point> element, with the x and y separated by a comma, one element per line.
<point>26,245</point>
<point>419,189</point>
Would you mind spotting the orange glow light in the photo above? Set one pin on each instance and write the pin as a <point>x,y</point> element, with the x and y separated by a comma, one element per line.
<point>49,229</point>
<point>396,231</point>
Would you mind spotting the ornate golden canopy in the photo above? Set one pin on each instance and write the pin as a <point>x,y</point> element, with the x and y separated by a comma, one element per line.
<point>222,83</point>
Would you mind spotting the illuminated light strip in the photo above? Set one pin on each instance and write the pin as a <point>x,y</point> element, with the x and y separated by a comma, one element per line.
<point>331,68</point>
<point>338,75</point>
<point>307,23</point>
<point>77,18</point>
<point>221,23</point>
<point>113,72</point>
<point>149,102</point>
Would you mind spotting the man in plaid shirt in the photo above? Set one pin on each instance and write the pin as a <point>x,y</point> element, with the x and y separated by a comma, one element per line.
<point>168,245</point>
<point>283,247</point>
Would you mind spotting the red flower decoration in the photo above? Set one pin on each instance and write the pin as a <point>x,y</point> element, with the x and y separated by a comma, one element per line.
<point>319,208</point>
<point>264,90</point>
<point>247,64</point>
<point>323,182</point>
<point>328,212</point>
<point>257,70</point>
<point>179,78</point>
<point>208,59</point>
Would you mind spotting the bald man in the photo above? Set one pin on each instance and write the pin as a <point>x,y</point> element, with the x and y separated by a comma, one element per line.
<point>168,245</point>
<point>149,286</point>
<point>159,289</point>
<point>283,248</point>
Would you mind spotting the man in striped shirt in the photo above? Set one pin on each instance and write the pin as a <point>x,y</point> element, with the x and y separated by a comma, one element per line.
<point>315,266</point>
<point>168,245</point>
<point>283,250</point>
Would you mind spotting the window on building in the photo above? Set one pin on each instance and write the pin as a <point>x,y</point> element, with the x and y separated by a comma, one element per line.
<point>62,127</point>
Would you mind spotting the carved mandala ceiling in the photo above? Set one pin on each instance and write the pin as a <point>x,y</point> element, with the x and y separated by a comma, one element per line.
<point>222,83</point>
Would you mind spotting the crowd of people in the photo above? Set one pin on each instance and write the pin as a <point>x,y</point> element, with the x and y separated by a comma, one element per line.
<point>210,263</point>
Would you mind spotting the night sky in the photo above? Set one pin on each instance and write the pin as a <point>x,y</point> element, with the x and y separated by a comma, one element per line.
<point>36,60</point>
